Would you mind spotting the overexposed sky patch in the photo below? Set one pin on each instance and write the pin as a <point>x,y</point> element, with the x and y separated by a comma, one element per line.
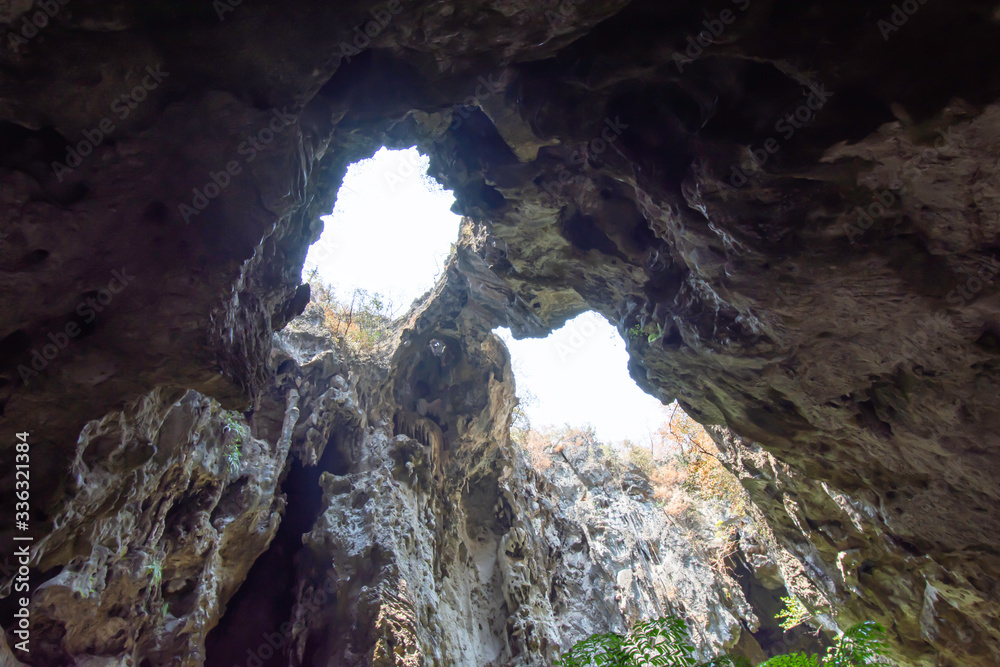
<point>579,374</point>
<point>390,233</point>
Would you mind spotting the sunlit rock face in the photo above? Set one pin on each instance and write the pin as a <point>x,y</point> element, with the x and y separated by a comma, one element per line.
<point>435,543</point>
<point>345,523</point>
<point>796,205</point>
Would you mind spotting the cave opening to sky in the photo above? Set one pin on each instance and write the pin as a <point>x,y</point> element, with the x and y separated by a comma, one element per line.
<point>391,232</point>
<point>578,375</point>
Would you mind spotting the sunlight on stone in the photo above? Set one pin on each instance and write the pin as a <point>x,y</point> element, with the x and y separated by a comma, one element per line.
<point>391,231</point>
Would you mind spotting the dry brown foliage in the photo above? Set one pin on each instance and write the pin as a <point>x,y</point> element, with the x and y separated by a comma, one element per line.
<point>537,445</point>
<point>668,480</point>
<point>363,322</point>
<point>687,465</point>
<point>542,444</point>
<point>698,456</point>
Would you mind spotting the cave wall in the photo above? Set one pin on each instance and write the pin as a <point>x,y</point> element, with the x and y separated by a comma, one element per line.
<point>158,528</point>
<point>800,215</point>
<point>451,549</point>
<point>340,535</point>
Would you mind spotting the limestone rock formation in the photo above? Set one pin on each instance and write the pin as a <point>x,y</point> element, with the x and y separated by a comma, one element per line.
<point>168,506</point>
<point>795,202</point>
<point>392,548</point>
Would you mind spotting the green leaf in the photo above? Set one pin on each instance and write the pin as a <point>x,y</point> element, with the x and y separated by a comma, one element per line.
<point>794,613</point>
<point>862,644</point>
<point>792,660</point>
<point>666,642</point>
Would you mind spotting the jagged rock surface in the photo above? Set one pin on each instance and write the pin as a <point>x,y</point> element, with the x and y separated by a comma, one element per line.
<point>609,163</point>
<point>448,549</point>
<point>161,522</point>
<point>454,553</point>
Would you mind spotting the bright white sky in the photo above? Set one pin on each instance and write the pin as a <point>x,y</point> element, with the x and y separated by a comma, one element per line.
<point>390,233</point>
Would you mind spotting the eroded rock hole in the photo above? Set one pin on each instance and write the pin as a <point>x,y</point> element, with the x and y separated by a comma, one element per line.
<point>766,596</point>
<point>266,598</point>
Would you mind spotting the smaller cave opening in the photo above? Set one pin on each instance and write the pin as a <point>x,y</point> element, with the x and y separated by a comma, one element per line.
<point>578,375</point>
<point>264,601</point>
<point>620,447</point>
<point>767,602</point>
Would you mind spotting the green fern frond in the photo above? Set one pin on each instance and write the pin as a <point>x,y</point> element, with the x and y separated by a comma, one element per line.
<point>665,642</point>
<point>862,644</point>
<point>793,660</point>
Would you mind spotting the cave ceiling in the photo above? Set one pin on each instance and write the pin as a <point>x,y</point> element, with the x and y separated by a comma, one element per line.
<point>796,202</point>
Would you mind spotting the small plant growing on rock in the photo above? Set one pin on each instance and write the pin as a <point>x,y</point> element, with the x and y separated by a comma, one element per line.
<point>234,461</point>
<point>89,589</point>
<point>156,570</point>
<point>651,334</point>
<point>237,433</point>
<point>793,615</point>
<point>653,337</point>
<point>231,424</point>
